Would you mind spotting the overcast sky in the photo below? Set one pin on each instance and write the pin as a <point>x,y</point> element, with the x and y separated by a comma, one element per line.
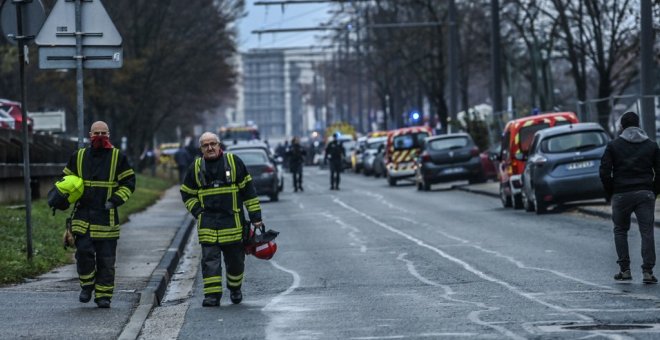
<point>269,17</point>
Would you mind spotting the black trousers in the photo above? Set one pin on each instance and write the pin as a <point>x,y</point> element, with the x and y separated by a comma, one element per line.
<point>297,172</point>
<point>212,266</point>
<point>335,170</point>
<point>95,262</point>
<point>642,203</point>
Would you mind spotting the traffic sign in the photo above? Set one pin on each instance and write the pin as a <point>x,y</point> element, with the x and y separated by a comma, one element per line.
<point>62,57</point>
<point>33,17</point>
<point>60,26</point>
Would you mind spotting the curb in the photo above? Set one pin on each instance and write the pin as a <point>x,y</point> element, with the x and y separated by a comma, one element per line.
<point>153,293</point>
<point>475,191</point>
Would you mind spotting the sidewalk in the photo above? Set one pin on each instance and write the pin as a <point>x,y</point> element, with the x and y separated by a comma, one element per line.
<point>147,254</point>
<point>598,208</point>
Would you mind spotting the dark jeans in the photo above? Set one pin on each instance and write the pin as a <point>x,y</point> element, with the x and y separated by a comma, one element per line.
<point>335,170</point>
<point>297,172</point>
<point>642,203</point>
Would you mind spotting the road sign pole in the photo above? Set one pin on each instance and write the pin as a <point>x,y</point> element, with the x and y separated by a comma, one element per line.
<point>79,75</point>
<point>26,146</point>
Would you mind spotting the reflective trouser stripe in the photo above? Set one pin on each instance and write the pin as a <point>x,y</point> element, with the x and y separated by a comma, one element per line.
<point>103,290</point>
<point>87,280</point>
<point>234,281</point>
<point>213,285</point>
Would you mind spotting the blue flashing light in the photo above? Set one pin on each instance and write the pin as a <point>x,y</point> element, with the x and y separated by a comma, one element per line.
<point>414,115</point>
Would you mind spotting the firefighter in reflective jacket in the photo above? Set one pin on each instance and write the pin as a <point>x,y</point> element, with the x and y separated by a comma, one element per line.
<point>109,181</point>
<point>214,191</point>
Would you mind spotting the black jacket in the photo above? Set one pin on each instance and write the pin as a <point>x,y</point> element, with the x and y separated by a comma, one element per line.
<point>108,177</point>
<point>335,152</point>
<point>296,155</point>
<point>631,162</point>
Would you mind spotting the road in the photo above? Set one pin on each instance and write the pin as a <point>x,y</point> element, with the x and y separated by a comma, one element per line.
<point>379,262</point>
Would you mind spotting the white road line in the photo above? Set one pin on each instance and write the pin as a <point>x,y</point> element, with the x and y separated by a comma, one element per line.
<point>465,265</point>
<point>472,316</point>
<point>353,233</point>
<point>271,306</point>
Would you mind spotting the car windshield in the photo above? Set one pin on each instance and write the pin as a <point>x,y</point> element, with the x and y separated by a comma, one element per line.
<point>577,141</point>
<point>252,157</point>
<point>239,134</point>
<point>409,141</point>
<point>527,134</point>
<point>447,143</point>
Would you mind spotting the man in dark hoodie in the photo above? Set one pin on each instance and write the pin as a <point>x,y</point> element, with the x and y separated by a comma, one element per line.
<point>630,173</point>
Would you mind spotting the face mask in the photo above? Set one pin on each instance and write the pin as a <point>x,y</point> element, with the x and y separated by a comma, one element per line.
<point>101,142</point>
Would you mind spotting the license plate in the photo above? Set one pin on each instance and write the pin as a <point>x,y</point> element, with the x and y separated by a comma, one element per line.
<point>580,165</point>
<point>452,170</point>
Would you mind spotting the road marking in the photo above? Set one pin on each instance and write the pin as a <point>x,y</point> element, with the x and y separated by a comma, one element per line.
<point>276,305</point>
<point>466,266</point>
<point>472,316</point>
<point>352,233</point>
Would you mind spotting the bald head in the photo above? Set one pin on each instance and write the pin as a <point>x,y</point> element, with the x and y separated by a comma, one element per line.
<point>99,128</point>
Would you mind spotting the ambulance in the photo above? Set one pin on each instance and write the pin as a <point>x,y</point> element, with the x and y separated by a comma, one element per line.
<point>401,151</point>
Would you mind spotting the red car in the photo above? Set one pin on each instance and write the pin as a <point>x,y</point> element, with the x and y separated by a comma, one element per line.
<point>13,109</point>
<point>489,162</point>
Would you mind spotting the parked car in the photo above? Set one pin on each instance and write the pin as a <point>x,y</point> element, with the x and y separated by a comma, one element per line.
<point>356,154</point>
<point>447,158</point>
<point>372,148</point>
<point>489,161</point>
<point>277,161</point>
<point>7,121</point>
<point>403,146</point>
<point>563,166</point>
<point>262,169</point>
<point>516,139</point>
<point>13,109</point>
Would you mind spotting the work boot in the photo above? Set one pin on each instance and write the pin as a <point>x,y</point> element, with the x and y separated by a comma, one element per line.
<point>211,300</point>
<point>85,295</point>
<point>103,302</point>
<point>623,275</point>
<point>649,278</point>
<point>236,296</point>
<point>301,189</point>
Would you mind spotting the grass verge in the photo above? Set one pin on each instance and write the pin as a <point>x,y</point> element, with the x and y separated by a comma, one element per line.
<point>47,231</point>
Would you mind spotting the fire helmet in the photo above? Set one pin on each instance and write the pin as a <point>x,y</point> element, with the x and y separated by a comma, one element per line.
<point>261,244</point>
<point>66,191</point>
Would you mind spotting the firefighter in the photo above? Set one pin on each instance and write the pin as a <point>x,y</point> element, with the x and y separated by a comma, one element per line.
<point>296,155</point>
<point>215,189</point>
<point>334,151</point>
<point>109,181</point>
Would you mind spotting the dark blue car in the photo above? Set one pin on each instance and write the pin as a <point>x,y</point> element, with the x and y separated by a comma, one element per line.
<point>562,166</point>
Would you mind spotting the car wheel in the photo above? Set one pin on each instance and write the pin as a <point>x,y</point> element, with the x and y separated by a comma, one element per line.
<point>539,206</point>
<point>391,181</point>
<point>506,199</point>
<point>527,203</point>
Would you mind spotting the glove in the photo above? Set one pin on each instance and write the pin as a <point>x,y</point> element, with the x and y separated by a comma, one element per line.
<point>109,205</point>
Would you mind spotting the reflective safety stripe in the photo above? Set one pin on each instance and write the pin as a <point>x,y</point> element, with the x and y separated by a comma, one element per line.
<point>198,162</point>
<point>113,171</point>
<point>212,279</point>
<point>123,192</point>
<point>88,276</point>
<point>234,281</point>
<point>125,174</point>
<point>213,284</point>
<point>232,165</point>
<point>213,290</point>
<point>87,280</point>
<point>79,159</point>
<point>188,190</point>
<point>100,184</point>
<point>191,203</point>
<point>67,172</point>
<point>252,204</point>
<point>101,231</point>
<point>207,235</point>
<point>247,179</point>
<point>79,226</point>
<point>103,290</point>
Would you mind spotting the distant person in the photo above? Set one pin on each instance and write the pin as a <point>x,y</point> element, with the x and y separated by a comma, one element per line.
<point>296,156</point>
<point>109,182</point>
<point>183,158</point>
<point>285,158</point>
<point>335,153</point>
<point>630,173</point>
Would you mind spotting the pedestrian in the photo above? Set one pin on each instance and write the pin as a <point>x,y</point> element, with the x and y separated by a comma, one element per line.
<point>109,181</point>
<point>215,189</point>
<point>335,153</point>
<point>296,156</point>
<point>183,159</point>
<point>630,173</point>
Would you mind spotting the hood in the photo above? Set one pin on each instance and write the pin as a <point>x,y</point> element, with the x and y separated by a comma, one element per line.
<point>634,135</point>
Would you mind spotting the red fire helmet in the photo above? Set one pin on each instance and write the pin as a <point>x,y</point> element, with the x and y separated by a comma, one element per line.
<point>261,244</point>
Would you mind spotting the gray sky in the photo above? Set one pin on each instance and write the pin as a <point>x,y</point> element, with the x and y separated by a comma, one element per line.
<point>269,17</point>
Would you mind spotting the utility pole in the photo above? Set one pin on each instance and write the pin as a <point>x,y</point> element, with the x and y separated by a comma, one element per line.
<point>453,62</point>
<point>647,71</point>
<point>495,58</point>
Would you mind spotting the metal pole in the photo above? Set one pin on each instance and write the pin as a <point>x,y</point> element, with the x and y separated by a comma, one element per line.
<point>453,62</point>
<point>79,75</point>
<point>495,58</point>
<point>647,72</point>
<point>26,145</point>
<point>358,58</point>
